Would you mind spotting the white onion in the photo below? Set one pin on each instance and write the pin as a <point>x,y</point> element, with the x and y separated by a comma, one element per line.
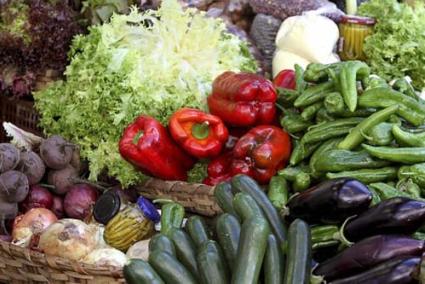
<point>106,256</point>
<point>69,238</point>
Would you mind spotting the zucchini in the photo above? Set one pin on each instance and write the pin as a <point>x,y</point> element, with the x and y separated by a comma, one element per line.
<point>224,196</point>
<point>163,243</point>
<point>211,264</point>
<point>197,230</point>
<point>248,185</point>
<point>246,207</point>
<point>273,262</point>
<point>228,232</point>
<point>138,271</point>
<point>185,250</point>
<point>251,251</point>
<point>170,269</point>
<point>298,263</point>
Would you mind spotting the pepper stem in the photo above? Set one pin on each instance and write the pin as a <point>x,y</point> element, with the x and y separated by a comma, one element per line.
<point>201,130</point>
<point>137,137</point>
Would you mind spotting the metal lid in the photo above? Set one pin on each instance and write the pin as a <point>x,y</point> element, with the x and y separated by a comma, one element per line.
<point>349,19</point>
<point>106,207</point>
<point>148,209</point>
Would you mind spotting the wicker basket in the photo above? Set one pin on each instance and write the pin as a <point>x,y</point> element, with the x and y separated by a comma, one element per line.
<point>197,198</point>
<point>20,265</point>
<point>19,112</point>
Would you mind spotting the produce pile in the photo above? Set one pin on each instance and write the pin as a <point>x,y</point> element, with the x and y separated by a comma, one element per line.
<point>249,242</point>
<point>116,74</point>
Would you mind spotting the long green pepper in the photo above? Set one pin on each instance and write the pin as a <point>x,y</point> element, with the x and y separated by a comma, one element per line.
<point>401,155</point>
<point>302,151</point>
<point>314,94</point>
<point>356,137</point>
<point>410,109</point>
<point>406,138</point>
<point>350,72</point>
<point>367,175</point>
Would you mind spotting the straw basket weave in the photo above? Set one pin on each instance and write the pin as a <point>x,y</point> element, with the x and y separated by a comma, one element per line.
<point>20,265</point>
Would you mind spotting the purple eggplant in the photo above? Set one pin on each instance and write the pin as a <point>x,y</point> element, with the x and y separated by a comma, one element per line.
<point>367,254</point>
<point>396,271</point>
<point>331,201</point>
<point>399,215</point>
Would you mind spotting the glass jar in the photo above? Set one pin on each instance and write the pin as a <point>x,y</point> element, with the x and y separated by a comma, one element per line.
<point>353,31</point>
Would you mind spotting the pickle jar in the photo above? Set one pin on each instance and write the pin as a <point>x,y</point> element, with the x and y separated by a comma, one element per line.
<point>133,222</point>
<point>353,32</point>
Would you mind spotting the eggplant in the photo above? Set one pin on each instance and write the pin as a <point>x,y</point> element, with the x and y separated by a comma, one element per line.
<point>398,215</point>
<point>396,271</point>
<point>330,202</point>
<point>368,253</point>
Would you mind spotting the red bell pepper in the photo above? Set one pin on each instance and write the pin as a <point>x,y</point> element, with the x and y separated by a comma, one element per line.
<point>200,134</point>
<point>243,99</point>
<point>285,79</point>
<point>147,145</point>
<point>261,152</point>
<point>219,169</point>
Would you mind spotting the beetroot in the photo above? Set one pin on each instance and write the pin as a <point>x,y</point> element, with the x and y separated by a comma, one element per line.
<point>62,179</point>
<point>57,207</point>
<point>79,201</point>
<point>9,157</point>
<point>38,197</point>
<point>32,166</point>
<point>13,186</point>
<point>56,152</point>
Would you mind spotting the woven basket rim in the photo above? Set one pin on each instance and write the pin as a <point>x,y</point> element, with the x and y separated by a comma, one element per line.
<point>59,263</point>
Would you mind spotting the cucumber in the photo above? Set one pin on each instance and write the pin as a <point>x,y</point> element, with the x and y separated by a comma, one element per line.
<point>298,263</point>
<point>197,230</point>
<point>224,196</point>
<point>251,251</point>
<point>273,262</point>
<point>138,271</point>
<point>211,264</point>
<point>185,250</point>
<point>248,185</point>
<point>163,243</point>
<point>228,232</point>
<point>170,269</point>
<point>246,207</point>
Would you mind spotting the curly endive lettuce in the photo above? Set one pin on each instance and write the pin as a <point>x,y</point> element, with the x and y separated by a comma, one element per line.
<point>397,46</point>
<point>152,63</point>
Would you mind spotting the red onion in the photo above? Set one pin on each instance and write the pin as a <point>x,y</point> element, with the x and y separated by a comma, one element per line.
<point>57,207</point>
<point>79,201</point>
<point>34,221</point>
<point>38,197</point>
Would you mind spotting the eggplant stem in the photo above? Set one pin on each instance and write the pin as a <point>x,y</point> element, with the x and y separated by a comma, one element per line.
<point>284,212</point>
<point>341,235</point>
<point>316,279</point>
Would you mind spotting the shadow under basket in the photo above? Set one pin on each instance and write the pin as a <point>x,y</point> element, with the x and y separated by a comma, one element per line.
<point>19,112</point>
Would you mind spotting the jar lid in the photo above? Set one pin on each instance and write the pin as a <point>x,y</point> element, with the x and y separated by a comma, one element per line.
<point>106,207</point>
<point>148,209</point>
<point>349,19</point>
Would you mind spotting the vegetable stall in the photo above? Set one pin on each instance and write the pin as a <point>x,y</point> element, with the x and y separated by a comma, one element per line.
<point>212,142</point>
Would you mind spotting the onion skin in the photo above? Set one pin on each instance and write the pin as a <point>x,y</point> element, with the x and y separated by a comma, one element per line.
<point>34,221</point>
<point>80,200</point>
<point>68,238</point>
<point>38,197</point>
